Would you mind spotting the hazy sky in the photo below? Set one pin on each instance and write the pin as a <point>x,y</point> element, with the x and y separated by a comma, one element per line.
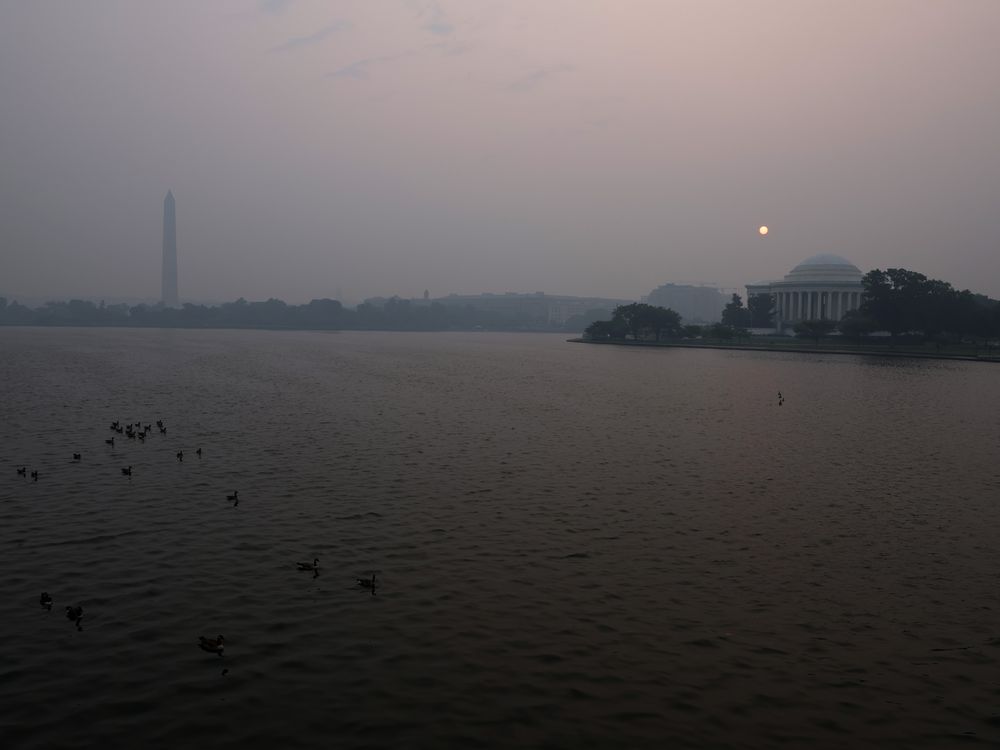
<point>378,147</point>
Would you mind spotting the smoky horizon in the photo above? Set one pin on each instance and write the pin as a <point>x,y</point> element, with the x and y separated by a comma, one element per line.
<point>591,149</point>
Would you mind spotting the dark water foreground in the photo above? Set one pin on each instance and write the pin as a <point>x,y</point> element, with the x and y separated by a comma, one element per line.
<point>580,546</point>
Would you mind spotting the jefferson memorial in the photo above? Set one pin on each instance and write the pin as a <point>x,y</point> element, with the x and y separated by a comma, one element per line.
<point>823,286</point>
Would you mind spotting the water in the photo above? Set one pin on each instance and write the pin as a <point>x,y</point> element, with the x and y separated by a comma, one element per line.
<point>579,546</point>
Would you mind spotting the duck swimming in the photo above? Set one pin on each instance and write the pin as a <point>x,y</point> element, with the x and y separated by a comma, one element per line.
<point>45,600</point>
<point>74,613</point>
<point>235,496</point>
<point>213,645</point>
<point>127,472</point>
<point>22,471</point>
<point>76,456</point>
<point>314,565</point>
<point>367,583</point>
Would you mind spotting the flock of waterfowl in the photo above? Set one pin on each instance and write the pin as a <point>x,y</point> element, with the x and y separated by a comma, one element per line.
<point>139,431</point>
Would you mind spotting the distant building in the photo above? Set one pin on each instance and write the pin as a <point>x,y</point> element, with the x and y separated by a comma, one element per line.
<point>169,278</point>
<point>695,304</point>
<point>823,286</point>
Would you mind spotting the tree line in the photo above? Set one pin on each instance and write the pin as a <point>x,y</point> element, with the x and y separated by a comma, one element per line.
<point>320,314</point>
<point>900,302</point>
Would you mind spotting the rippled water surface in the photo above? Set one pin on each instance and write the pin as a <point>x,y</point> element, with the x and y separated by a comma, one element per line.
<point>579,546</point>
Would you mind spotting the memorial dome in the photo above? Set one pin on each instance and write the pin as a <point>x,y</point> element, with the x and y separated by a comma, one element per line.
<point>825,267</point>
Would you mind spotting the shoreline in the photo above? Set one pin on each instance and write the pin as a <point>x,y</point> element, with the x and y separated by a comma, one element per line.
<point>781,349</point>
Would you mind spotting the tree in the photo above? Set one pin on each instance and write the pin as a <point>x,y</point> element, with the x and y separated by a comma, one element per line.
<point>720,330</point>
<point>734,314</point>
<point>814,329</point>
<point>605,329</point>
<point>856,326</point>
<point>665,321</point>
<point>635,317</point>
<point>692,332</point>
<point>761,310</point>
<point>892,298</point>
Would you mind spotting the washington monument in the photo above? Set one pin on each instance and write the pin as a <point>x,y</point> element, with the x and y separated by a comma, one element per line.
<point>169,296</point>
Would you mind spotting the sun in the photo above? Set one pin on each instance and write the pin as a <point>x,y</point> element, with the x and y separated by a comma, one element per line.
<point>763,231</point>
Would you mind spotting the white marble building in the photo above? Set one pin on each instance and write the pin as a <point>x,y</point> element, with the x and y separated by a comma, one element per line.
<point>823,286</point>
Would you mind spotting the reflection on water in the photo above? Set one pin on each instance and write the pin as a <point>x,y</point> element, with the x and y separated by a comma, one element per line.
<point>575,546</point>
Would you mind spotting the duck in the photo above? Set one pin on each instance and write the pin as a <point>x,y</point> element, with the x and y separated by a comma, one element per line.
<point>314,565</point>
<point>235,496</point>
<point>367,583</point>
<point>141,436</point>
<point>180,455</point>
<point>34,475</point>
<point>45,600</point>
<point>111,442</point>
<point>22,471</point>
<point>74,613</point>
<point>127,472</point>
<point>76,456</point>
<point>198,452</point>
<point>213,645</point>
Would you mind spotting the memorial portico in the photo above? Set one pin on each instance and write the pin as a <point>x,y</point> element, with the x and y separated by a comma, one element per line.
<point>824,286</point>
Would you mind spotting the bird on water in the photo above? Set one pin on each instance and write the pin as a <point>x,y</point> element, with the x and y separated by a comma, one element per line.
<point>45,600</point>
<point>368,583</point>
<point>22,471</point>
<point>212,645</point>
<point>180,455</point>
<point>314,565</point>
<point>76,456</point>
<point>75,614</point>
<point>127,472</point>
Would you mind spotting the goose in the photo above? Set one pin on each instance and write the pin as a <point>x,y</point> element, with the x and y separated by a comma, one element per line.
<point>180,455</point>
<point>34,475</point>
<point>235,496</point>
<point>163,430</point>
<point>141,436</point>
<point>213,645</point>
<point>74,613</point>
<point>76,456</point>
<point>22,471</point>
<point>367,583</point>
<point>45,600</point>
<point>314,565</point>
<point>198,452</point>
<point>110,442</point>
<point>127,472</point>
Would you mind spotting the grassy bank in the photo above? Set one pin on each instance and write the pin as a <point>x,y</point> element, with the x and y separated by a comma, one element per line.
<point>964,352</point>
